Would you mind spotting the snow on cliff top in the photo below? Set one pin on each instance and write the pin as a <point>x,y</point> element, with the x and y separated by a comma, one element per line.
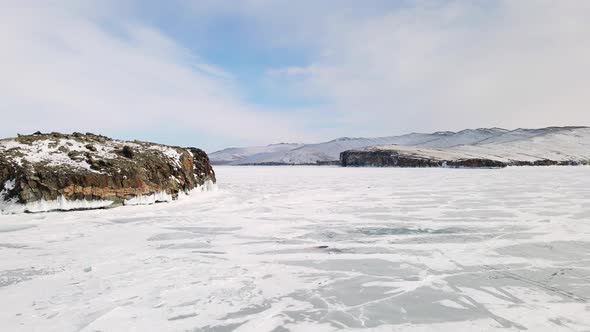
<point>56,151</point>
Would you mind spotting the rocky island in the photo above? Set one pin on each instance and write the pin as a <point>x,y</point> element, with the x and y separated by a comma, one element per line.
<point>403,156</point>
<point>44,172</point>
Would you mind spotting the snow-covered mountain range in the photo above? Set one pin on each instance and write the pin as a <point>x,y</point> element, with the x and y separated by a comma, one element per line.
<point>237,156</point>
<point>523,144</point>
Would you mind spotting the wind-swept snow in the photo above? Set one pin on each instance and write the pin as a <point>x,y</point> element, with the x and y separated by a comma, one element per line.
<point>314,249</point>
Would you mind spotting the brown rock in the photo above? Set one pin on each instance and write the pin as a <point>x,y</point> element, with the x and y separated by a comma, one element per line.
<point>117,171</point>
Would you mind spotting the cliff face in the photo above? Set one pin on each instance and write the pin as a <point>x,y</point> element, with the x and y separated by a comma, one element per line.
<point>54,171</point>
<point>388,158</point>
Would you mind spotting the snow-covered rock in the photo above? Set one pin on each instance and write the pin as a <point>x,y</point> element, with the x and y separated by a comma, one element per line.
<point>43,172</point>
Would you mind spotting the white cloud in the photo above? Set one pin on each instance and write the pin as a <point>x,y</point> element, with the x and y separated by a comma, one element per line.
<point>65,69</point>
<point>455,64</point>
<point>379,67</point>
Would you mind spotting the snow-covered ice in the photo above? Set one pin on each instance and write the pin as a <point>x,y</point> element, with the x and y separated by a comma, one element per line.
<point>313,249</point>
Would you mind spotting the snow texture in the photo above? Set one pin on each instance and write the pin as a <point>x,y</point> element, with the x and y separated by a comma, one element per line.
<point>314,249</point>
<point>48,151</point>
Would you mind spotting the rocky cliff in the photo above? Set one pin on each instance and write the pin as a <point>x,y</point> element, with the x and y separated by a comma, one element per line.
<point>413,157</point>
<point>43,172</point>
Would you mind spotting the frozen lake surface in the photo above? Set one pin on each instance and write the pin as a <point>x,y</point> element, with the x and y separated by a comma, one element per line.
<point>314,249</point>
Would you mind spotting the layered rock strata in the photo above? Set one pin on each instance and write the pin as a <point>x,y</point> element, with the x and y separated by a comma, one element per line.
<point>56,171</point>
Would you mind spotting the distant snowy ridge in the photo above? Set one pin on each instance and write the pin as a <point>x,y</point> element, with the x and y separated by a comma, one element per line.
<point>487,141</point>
<point>549,146</point>
<point>232,155</point>
<point>557,144</point>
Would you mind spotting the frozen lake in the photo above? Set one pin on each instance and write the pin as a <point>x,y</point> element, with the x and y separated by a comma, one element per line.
<point>314,249</point>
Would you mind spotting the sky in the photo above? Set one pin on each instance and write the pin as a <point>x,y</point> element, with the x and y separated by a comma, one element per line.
<point>215,73</point>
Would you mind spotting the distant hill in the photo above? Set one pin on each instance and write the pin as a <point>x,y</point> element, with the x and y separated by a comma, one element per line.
<point>547,142</point>
<point>233,156</point>
<point>521,147</point>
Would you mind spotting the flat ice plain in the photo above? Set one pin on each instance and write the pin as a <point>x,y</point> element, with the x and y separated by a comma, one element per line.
<point>314,249</point>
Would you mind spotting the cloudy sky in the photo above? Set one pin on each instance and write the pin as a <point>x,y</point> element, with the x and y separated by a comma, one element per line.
<point>214,73</point>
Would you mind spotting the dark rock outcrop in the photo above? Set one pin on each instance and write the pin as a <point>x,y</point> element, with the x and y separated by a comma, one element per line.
<point>87,167</point>
<point>391,158</point>
<point>202,167</point>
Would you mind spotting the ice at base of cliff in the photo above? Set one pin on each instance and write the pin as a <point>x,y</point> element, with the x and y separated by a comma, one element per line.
<point>63,204</point>
<point>161,197</point>
<point>158,197</point>
<point>60,204</point>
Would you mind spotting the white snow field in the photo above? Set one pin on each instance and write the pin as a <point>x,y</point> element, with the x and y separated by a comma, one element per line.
<point>314,249</point>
